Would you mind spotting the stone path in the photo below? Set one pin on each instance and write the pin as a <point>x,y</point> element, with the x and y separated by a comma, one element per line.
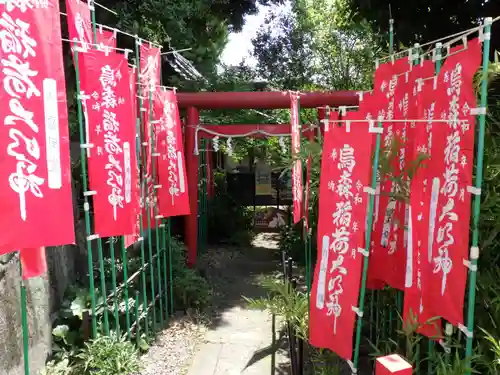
<point>240,338</point>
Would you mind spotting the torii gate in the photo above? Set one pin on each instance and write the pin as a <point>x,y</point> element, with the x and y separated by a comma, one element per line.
<point>194,102</point>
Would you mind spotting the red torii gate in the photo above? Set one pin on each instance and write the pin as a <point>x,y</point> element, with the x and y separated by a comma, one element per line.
<point>237,100</point>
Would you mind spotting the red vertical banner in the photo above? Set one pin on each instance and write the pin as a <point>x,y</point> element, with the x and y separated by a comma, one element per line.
<point>418,266</point>
<point>297,188</point>
<point>112,163</point>
<point>79,23</point>
<point>173,195</point>
<point>35,175</point>
<point>134,236</point>
<point>33,262</point>
<point>452,162</point>
<point>149,80</point>
<point>342,220</point>
<point>105,38</point>
<point>387,260</point>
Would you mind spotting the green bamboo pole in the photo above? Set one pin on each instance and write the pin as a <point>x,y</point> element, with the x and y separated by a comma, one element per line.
<point>24,322</point>
<point>368,234</point>
<point>477,198</point>
<point>143,185</point>
<point>125,288</point>
<point>113,281</point>
<point>150,202</point>
<point>86,205</point>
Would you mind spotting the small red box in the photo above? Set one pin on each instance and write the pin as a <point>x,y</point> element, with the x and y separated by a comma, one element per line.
<point>392,364</point>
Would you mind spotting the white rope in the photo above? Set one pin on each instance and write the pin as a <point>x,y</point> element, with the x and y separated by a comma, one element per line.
<point>253,132</point>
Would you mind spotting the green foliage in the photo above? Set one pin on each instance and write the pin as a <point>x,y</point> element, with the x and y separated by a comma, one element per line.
<point>284,302</point>
<point>228,221</point>
<point>108,356</point>
<point>104,356</point>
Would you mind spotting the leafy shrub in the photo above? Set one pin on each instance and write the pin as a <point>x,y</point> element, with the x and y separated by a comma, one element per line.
<point>108,355</point>
<point>190,289</point>
<point>228,221</point>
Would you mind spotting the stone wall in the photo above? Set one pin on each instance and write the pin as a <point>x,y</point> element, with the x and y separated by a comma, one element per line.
<point>44,295</point>
<point>66,265</point>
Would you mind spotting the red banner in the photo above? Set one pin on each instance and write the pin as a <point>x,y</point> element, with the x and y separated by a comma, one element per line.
<point>342,219</point>
<point>79,23</point>
<point>452,163</point>
<point>387,259</point>
<point>105,38</point>
<point>112,162</point>
<point>297,189</point>
<point>173,195</point>
<point>149,79</point>
<point>33,262</point>
<point>417,266</point>
<point>35,189</point>
<point>133,237</point>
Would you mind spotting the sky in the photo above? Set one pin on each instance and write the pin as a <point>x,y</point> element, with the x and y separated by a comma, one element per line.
<point>240,44</point>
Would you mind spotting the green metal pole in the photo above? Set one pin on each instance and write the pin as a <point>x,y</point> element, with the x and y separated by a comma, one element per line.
<point>477,198</point>
<point>142,165</point>
<point>158,229</point>
<point>86,205</point>
<point>99,240</point>
<point>24,322</point>
<point>102,277</point>
<point>368,234</point>
<point>113,281</point>
<point>137,319</point>
<point>125,287</point>
<point>170,273</point>
<point>430,347</point>
<point>149,203</point>
<point>391,36</point>
<point>165,267</point>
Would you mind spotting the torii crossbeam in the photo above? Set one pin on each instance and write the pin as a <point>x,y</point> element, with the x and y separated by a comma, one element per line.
<point>237,100</point>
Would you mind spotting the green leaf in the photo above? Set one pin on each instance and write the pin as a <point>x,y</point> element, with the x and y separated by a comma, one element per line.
<point>78,306</point>
<point>60,331</point>
<point>143,345</point>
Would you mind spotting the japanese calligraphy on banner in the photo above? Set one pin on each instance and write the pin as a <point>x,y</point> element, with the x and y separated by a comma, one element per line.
<point>112,166</point>
<point>35,176</point>
<point>341,226</point>
<point>149,80</point>
<point>387,261</point>
<point>105,38</point>
<point>79,23</point>
<point>173,195</point>
<point>297,188</point>
<point>418,266</point>
<point>452,161</point>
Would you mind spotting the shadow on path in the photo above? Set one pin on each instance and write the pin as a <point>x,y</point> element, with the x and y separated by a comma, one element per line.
<point>239,340</point>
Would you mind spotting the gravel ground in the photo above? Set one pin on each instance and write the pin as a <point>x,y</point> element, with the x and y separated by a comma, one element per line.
<point>174,347</point>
